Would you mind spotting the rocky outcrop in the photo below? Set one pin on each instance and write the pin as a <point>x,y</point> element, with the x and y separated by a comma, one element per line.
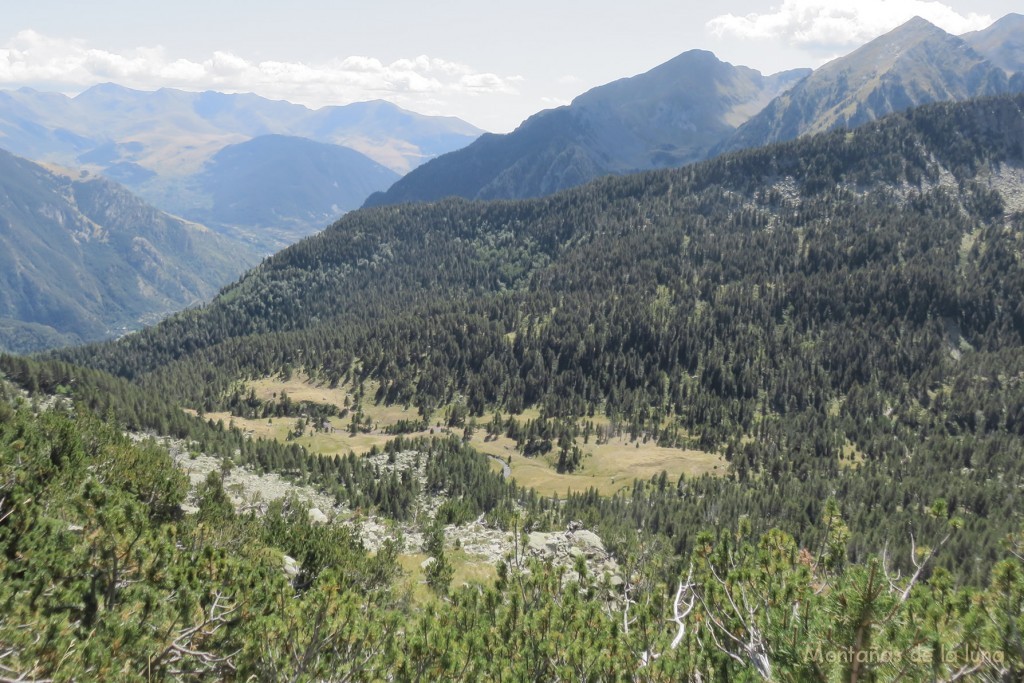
<point>564,548</point>
<point>247,488</point>
<point>316,516</point>
<point>252,491</point>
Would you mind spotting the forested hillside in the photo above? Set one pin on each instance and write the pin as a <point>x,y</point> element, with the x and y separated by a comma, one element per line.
<point>835,314</point>
<point>839,317</point>
<point>104,579</point>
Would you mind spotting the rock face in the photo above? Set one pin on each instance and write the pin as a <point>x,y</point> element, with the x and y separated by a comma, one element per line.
<point>248,489</point>
<point>563,548</point>
<point>290,567</point>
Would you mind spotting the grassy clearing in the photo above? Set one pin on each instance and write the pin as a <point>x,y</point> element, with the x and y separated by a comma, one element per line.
<point>414,580</point>
<point>470,570</point>
<point>852,457</point>
<point>325,443</point>
<point>300,388</point>
<point>609,468</point>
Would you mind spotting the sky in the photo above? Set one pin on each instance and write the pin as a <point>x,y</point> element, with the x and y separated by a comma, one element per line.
<point>491,64</point>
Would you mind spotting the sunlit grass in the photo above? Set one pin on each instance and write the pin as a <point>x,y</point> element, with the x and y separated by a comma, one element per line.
<point>469,570</point>
<point>608,467</point>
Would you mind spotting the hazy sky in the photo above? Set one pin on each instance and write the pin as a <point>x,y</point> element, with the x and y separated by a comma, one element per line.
<point>492,64</point>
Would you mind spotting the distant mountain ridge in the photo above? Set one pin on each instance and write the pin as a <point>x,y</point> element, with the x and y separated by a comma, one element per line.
<point>695,106</point>
<point>1002,43</point>
<point>274,185</point>
<point>82,258</point>
<point>147,127</point>
<point>162,144</point>
<point>268,191</point>
<point>916,63</point>
<point>668,116</point>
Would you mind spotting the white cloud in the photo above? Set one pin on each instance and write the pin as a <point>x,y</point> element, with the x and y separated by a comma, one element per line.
<point>823,25</point>
<point>555,101</point>
<point>69,66</point>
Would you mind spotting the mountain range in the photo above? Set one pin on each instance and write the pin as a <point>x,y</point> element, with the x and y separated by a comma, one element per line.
<point>162,145</point>
<point>172,132</point>
<point>219,160</point>
<point>82,258</point>
<point>914,64</point>
<point>695,106</point>
<point>669,116</point>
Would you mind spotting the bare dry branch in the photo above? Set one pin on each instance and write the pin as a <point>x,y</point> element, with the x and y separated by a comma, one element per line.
<point>684,589</point>
<point>964,672</point>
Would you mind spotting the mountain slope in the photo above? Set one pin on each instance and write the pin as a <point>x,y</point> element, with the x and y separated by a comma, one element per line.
<point>837,315</point>
<point>279,186</point>
<point>623,235</point>
<point>1002,43</point>
<point>666,117</point>
<point>160,144</point>
<point>84,259</point>
<point>914,64</point>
